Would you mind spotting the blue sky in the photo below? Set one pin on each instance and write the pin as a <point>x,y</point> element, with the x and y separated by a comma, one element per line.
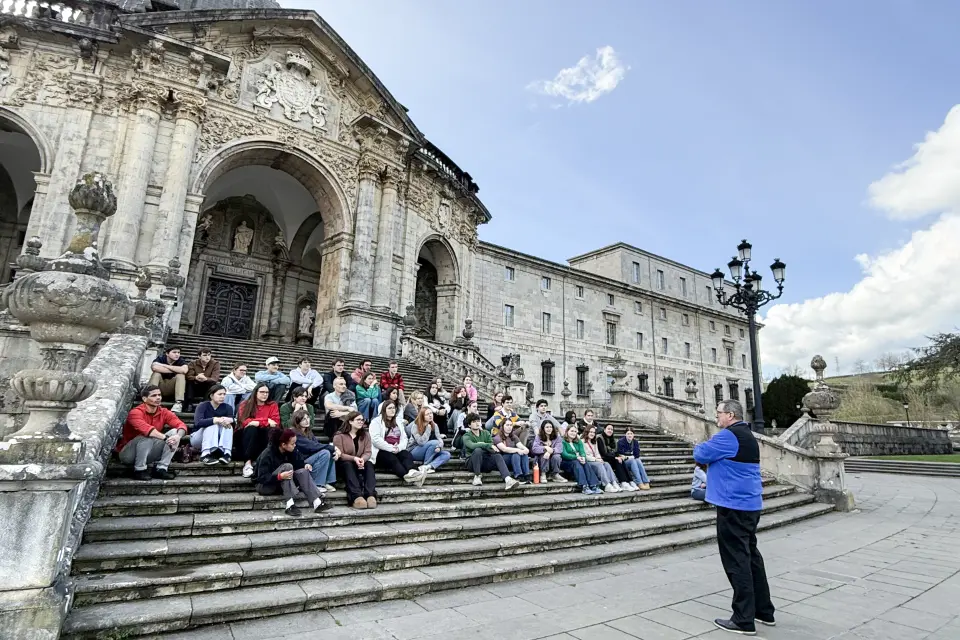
<point>765,120</point>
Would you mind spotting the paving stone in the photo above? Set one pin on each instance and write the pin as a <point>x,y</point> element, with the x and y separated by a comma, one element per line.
<point>422,623</point>
<point>504,608</point>
<point>303,623</point>
<point>918,620</point>
<point>456,598</point>
<point>883,630</point>
<point>601,632</point>
<point>678,620</point>
<point>372,611</point>
<point>640,627</point>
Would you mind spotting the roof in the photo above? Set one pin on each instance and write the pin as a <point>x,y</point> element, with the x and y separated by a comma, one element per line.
<point>142,6</point>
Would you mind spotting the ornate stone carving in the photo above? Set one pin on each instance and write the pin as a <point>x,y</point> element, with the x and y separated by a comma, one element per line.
<point>242,238</point>
<point>141,94</point>
<point>190,105</point>
<point>195,64</point>
<point>220,128</point>
<point>5,71</point>
<point>47,74</point>
<point>230,89</point>
<point>823,400</point>
<point>691,389</point>
<point>292,87</point>
<point>369,167</point>
<point>156,51</point>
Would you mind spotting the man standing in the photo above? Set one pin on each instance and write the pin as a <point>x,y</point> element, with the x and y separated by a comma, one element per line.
<point>150,434</point>
<point>735,487</point>
<point>170,374</point>
<point>202,373</point>
<point>275,380</point>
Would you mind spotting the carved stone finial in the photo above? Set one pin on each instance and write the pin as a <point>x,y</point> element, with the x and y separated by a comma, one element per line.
<point>691,389</point>
<point>822,401</point>
<point>468,331</point>
<point>410,320</point>
<point>142,283</point>
<point>93,201</point>
<point>30,259</point>
<point>566,393</point>
<point>618,373</point>
<point>171,279</point>
<point>818,364</point>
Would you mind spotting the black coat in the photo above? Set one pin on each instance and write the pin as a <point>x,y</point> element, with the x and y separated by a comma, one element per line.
<point>270,460</point>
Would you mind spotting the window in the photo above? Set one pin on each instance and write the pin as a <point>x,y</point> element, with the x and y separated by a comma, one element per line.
<point>683,287</point>
<point>579,291</point>
<point>612,334</point>
<point>639,340</point>
<point>734,391</point>
<point>709,295</point>
<point>510,274</point>
<point>546,377</point>
<point>582,380</point>
<point>741,334</point>
<point>508,315</point>
<point>729,357</point>
<point>644,383</point>
<point>718,393</point>
<point>638,307</point>
<point>661,281</point>
<point>580,330</point>
<point>545,283</point>
<point>636,272</point>
<point>663,313</point>
<point>686,349</point>
<point>663,346</point>
<point>726,329</point>
<point>686,320</point>
<point>610,299</point>
<point>668,387</point>
<point>545,322</point>
<point>713,326</point>
<point>713,355</point>
<point>748,396</point>
<point>743,360</point>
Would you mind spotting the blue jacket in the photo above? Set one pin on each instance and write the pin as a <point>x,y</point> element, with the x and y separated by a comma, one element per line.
<point>625,448</point>
<point>733,471</point>
<point>206,413</point>
<point>308,446</point>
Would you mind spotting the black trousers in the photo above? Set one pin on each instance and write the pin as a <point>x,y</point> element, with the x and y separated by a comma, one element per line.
<point>482,461</point>
<point>618,470</point>
<point>743,564</point>
<point>252,442</point>
<point>199,389</point>
<point>396,463</point>
<point>330,426</point>
<point>361,483</point>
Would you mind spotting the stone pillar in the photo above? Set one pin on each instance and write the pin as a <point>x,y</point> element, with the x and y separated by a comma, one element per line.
<point>334,273</point>
<point>166,242</point>
<point>361,265</point>
<point>383,292</point>
<point>184,315</point>
<point>121,244</point>
<point>276,299</point>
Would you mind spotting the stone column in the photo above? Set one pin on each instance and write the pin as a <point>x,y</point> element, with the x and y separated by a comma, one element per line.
<point>166,242</point>
<point>121,244</point>
<point>361,266</point>
<point>276,299</point>
<point>184,314</point>
<point>383,292</point>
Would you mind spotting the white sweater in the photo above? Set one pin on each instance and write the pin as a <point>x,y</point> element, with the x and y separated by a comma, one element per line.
<point>378,432</point>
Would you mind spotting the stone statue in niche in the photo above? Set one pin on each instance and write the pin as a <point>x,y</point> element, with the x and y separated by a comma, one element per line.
<point>203,227</point>
<point>305,324</point>
<point>242,238</point>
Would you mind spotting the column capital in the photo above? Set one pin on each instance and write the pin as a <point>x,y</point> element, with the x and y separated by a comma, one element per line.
<point>369,167</point>
<point>142,94</point>
<point>190,106</point>
<point>391,179</point>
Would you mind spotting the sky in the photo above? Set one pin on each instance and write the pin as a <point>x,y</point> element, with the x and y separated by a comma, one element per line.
<point>821,131</point>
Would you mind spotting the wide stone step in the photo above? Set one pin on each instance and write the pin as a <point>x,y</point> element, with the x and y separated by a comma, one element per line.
<point>903,467</point>
<point>386,549</point>
<point>185,611</point>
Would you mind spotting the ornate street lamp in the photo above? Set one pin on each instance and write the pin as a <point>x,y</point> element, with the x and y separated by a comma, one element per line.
<point>748,296</point>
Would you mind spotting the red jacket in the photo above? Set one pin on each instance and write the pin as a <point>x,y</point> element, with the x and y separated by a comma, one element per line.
<point>263,413</point>
<point>140,422</point>
<point>388,381</point>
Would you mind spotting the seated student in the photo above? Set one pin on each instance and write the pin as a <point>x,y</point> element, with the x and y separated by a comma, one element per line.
<point>460,426</point>
<point>514,453</point>
<point>299,401</point>
<point>281,469</point>
<point>212,431</point>
<point>436,401</point>
<point>506,414</point>
<point>592,451</point>
<point>238,385</point>
<point>304,376</point>
<point>368,396</point>
<point>494,406</point>
<point>698,487</point>
<point>389,440</point>
<point>257,415</point>
<point>336,406</point>
<point>150,434</point>
<point>202,374</point>
<point>391,379</point>
<point>170,375</point>
<point>276,380</point>
<point>546,449</point>
<point>426,442</point>
<point>393,395</point>
<point>482,456</point>
<point>541,415</point>
<point>629,447</point>
<point>569,419</point>
<point>471,390</point>
<point>607,444</point>
<point>353,440</point>
<point>337,371</point>
<point>575,462</point>
<point>322,457</point>
<point>412,409</point>
<point>360,372</point>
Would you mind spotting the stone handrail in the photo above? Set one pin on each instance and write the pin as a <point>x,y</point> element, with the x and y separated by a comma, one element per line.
<point>448,363</point>
<point>863,439</point>
<point>471,356</point>
<point>819,473</point>
<point>91,14</point>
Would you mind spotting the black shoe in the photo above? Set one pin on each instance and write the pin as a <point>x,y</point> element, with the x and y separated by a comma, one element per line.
<point>208,460</point>
<point>163,474</point>
<point>732,627</point>
<point>224,460</point>
<point>323,506</point>
<point>141,475</point>
<point>770,622</point>
<point>293,510</point>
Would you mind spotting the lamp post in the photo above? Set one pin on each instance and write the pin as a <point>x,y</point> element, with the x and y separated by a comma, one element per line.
<point>748,296</point>
<point>906,409</point>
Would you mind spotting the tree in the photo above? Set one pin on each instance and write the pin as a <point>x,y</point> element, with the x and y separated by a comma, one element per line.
<point>860,367</point>
<point>935,363</point>
<point>781,398</point>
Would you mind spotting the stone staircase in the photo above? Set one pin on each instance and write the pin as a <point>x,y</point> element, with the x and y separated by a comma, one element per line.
<point>902,467</point>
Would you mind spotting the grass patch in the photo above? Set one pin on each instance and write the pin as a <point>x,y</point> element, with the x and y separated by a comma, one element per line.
<point>953,457</point>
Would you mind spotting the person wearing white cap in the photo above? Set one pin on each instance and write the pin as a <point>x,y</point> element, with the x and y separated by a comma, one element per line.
<point>276,380</point>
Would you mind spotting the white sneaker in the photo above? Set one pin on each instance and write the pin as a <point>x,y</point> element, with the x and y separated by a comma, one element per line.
<point>617,488</point>
<point>248,470</point>
<point>608,488</point>
<point>177,407</point>
<point>412,476</point>
<point>543,479</point>
<point>430,469</point>
<point>477,481</point>
<point>634,486</point>
<point>559,478</point>
<point>329,487</point>
<point>510,483</point>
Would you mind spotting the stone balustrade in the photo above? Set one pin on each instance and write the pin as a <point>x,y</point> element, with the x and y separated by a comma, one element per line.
<point>863,439</point>
<point>453,363</point>
<point>91,14</point>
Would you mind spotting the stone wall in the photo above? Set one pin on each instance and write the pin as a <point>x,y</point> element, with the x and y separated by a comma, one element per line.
<point>860,439</point>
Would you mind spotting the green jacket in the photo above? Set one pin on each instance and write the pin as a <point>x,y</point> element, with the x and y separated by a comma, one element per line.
<point>286,414</point>
<point>573,449</point>
<point>372,392</point>
<point>482,441</point>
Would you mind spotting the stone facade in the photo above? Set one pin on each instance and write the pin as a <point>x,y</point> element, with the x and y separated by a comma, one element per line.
<point>251,145</point>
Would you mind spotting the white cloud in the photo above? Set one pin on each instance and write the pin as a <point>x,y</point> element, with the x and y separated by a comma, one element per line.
<point>906,293</point>
<point>587,80</point>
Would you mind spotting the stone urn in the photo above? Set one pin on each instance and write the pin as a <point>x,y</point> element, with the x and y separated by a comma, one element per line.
<point>691,389</point>
<point>822,401</point>
<point>618,373</point>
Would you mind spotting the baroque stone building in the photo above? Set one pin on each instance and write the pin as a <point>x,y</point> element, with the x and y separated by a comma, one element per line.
<point>256,156</point>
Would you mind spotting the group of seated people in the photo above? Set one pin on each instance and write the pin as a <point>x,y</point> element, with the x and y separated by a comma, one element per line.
<point>272,433</point>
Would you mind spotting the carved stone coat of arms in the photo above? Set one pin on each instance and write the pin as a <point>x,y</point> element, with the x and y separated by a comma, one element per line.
<point>293,88</point>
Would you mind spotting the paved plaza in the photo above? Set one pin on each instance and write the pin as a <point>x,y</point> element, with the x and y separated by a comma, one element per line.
<point>889,571</point>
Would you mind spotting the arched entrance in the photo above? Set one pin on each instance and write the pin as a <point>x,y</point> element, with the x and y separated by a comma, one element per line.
<point>19,159</point>
<point>437,291</point>
<point>258,264</point>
